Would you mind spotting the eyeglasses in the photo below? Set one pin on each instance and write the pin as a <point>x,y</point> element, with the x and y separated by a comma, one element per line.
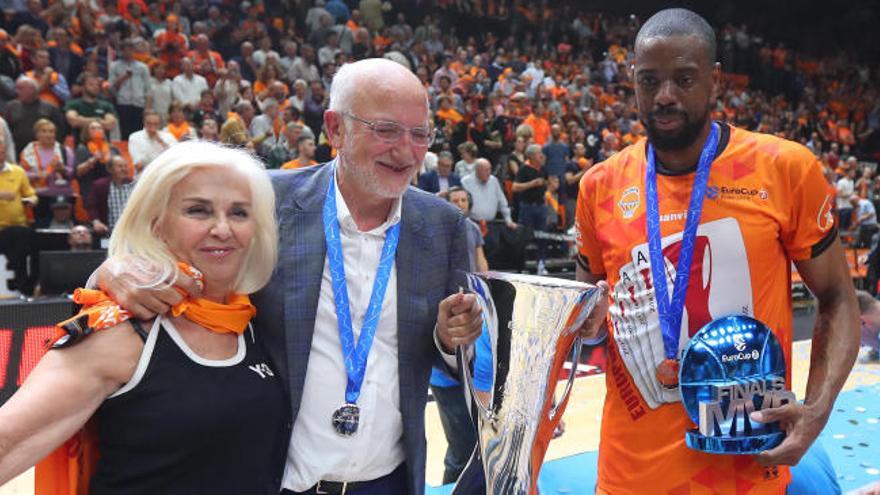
<point>391,132</point>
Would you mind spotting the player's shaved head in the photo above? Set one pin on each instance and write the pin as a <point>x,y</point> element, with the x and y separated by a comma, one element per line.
<point>678,23</point>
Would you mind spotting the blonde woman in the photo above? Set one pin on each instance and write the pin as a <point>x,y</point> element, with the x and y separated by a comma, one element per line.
<point>186,403</point>
<point>46,161</point>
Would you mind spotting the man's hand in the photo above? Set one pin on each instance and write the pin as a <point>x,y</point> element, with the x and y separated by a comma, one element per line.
<point>511,224</point>
<point>131,282</point>
<point>592,326</point>
<point>459,321</point>
<point>801,423</point>
<point>99,227</point>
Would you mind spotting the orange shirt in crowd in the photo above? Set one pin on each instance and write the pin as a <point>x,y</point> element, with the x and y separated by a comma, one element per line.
<point>298,163</point>
<point>767,204</point>
<point>845,136</point>
<point>215,61</point>
<point>46,93</point>
<point>449,115</point>
<point>540,127</point>
<point>171,58</point>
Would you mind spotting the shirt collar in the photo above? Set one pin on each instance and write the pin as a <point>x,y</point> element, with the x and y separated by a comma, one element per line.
<point>346,220</point>
<point>5,166</point>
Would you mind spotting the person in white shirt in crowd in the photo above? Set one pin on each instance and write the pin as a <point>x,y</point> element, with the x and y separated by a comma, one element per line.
<point>146,144</point>
<point>304,67</point>
<point>263,127</point>
<point>188,86</point>
<point>300,93</point>
<point>291,54</point>
<point>130,82</point>
<point>327,53</point>
<point>845,189</point>
<point>265,52</point>
<point>488,197</point>
<point>864,219</point>
<point>229,87</point>
<point>468,151</point>
<point>160,91</point>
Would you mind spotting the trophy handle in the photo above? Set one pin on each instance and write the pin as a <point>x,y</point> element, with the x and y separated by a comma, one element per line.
<point>462,352</point>
<point>576,347</point>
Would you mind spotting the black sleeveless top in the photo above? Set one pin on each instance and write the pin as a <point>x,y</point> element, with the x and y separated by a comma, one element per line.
<point>187,425</point>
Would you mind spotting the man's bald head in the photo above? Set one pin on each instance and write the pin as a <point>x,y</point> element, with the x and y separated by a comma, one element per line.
<point>677,22</point>
<point>374,78</point>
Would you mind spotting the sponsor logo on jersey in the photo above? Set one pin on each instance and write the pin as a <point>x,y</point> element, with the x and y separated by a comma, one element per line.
<point>674,217</point>
<point>629,202</point>
<point>736,193</point>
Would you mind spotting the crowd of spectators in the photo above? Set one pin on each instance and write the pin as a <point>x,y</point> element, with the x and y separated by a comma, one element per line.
<point>525,96</point>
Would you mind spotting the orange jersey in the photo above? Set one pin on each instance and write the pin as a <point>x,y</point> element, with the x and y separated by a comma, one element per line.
<point>767,204</point>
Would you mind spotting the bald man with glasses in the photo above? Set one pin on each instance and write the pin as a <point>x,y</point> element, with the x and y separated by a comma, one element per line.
<point>354,240</point>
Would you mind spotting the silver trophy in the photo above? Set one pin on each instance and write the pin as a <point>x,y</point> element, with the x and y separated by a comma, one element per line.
<point>532,326</point>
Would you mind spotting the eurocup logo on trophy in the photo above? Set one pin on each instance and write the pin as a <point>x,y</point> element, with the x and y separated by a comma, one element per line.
<point>730,368</point>
<point>532,323</point>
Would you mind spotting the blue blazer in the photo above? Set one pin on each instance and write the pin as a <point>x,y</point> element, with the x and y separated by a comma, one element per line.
<point>431,249</point>
<point>430,181</point>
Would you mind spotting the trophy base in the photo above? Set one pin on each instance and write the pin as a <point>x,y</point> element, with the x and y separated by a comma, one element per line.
<point>733,445</point>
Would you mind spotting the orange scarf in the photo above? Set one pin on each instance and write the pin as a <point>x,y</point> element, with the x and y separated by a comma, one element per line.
<point>100,145</point>
<point>554,204</point>
<point>179,131</point>
<point>69,468</point>
<point>99,312</point>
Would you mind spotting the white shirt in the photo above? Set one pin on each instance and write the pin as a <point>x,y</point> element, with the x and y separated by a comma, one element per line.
<point>188,91</point>
<point>866,208</point>
<point>135,89</point>
<point>317,452</point>
<point>845,189</point>
<point>161,93</point>
<point>143,149</point>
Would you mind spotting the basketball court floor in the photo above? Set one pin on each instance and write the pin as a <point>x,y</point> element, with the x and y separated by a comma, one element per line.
<point>851,438</point>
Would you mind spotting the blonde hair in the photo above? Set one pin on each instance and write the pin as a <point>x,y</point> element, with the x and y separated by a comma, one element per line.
<point>134,233</point>
<point>44,123</point>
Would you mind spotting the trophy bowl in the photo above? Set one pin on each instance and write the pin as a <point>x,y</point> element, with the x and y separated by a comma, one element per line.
<point>532,324</point>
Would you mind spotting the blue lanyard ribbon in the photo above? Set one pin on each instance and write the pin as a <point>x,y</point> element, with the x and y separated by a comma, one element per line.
<point>355,355</point>
<point>670,311</point>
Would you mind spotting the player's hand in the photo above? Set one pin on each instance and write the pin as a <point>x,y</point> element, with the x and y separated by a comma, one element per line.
<point>801,423</point>
<point>459,321</point>
<point>871,490</point>
<point>131,282</point>
<point>511,224</point>
<point>593,324</point>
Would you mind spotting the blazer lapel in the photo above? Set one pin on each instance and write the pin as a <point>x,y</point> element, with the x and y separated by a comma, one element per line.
<point>303,253</point>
